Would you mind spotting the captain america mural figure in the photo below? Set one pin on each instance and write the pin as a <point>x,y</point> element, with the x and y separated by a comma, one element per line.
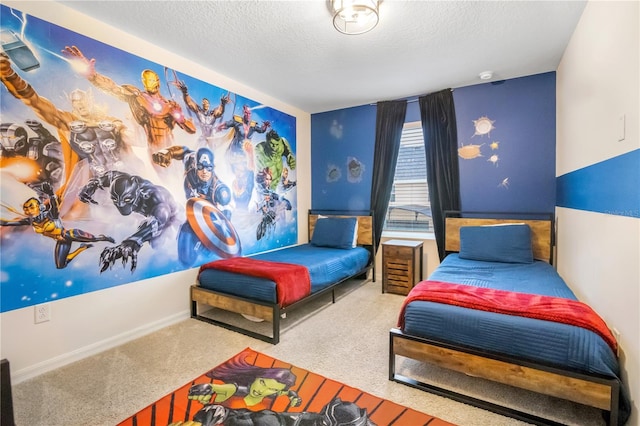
<point>208,227</point>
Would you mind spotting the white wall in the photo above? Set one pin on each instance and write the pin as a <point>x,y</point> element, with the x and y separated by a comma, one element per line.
<point>84,325</point>
<point>598,254</point>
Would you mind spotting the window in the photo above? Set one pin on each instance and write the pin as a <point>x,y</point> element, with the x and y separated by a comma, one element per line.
<point>409,207</point>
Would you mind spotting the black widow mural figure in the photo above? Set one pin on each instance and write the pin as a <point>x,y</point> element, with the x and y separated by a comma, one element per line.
<point>269,203</point>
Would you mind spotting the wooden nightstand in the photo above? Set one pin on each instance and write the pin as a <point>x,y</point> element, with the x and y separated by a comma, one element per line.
<point>401,265</point>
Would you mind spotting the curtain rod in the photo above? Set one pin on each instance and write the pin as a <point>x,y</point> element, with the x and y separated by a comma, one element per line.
<point>408,100</point>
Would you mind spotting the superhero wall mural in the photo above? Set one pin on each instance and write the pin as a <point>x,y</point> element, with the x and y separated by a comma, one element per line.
<point>116,169</point>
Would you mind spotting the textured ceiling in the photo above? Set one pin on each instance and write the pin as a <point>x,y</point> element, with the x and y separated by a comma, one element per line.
<point>290,50</point>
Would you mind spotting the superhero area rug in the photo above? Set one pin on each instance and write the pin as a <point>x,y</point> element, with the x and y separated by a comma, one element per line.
<point>254,389</point>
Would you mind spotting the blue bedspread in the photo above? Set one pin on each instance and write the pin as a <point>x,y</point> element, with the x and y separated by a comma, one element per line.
<point>326,266</point>
<point>548,342</point>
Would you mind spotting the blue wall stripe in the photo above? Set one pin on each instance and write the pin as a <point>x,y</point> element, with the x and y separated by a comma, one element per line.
<point>611,186</point>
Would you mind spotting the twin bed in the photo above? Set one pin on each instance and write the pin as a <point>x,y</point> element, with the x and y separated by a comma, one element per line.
<point>266,286</point>
<point>496,308</point>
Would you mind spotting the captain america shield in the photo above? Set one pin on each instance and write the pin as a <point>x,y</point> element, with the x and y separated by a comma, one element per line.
<point>213,228</point>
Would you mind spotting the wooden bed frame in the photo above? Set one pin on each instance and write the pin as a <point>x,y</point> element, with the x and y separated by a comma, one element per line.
<point>589,389</point>
<point>272,312</point>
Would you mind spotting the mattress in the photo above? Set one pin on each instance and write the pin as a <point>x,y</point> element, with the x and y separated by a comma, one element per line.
<point>547,342</point>
<point>326,266</point>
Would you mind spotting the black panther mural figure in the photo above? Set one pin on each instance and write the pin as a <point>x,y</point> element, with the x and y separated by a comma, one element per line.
<point>335,413</point>
<point>131,193</point>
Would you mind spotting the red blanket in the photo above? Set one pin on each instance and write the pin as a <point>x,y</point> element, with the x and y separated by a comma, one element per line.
<point>292,281</point>
<point>547,308</point>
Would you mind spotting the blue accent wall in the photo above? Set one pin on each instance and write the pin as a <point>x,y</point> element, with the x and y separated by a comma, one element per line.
<point>611,186</point>
<point>342,141</point>
<point>516,175</point>
<point>515,169</point>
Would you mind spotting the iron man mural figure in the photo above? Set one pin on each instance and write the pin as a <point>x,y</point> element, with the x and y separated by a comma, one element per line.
<point>156,114</point>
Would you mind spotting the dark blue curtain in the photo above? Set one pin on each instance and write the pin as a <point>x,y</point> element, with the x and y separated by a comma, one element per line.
<point>438,117</point>
<point>390,116</point>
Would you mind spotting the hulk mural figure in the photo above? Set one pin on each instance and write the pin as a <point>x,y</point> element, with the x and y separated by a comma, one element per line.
<point>270,154</point>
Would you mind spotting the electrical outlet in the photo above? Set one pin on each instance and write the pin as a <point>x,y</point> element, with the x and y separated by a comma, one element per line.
<point>42,313</point>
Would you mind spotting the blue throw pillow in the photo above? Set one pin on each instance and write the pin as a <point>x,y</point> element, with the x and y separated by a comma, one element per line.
<point>503,243</point>
<point>334,232</point>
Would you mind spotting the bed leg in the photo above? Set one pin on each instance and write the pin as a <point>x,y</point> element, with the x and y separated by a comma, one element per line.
<point>615,404</point>
<point>194,309</point>
<point>276,325</point>
<point>333,295</point>
<point>392,359</point>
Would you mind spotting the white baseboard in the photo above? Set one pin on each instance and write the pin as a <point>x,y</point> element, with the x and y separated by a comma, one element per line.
<point>95,348</point>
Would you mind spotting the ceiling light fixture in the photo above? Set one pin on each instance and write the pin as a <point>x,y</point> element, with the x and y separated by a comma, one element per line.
<point>354,16</point>
<point>486,75</point>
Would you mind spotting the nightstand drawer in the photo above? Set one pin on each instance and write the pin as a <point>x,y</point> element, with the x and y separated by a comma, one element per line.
<point>398,251</point>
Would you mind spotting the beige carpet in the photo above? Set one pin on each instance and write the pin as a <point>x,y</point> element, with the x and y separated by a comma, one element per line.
<point>347,341</point>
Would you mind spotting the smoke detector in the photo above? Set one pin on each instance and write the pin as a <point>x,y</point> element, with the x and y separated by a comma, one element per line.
<point>486,75</point>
